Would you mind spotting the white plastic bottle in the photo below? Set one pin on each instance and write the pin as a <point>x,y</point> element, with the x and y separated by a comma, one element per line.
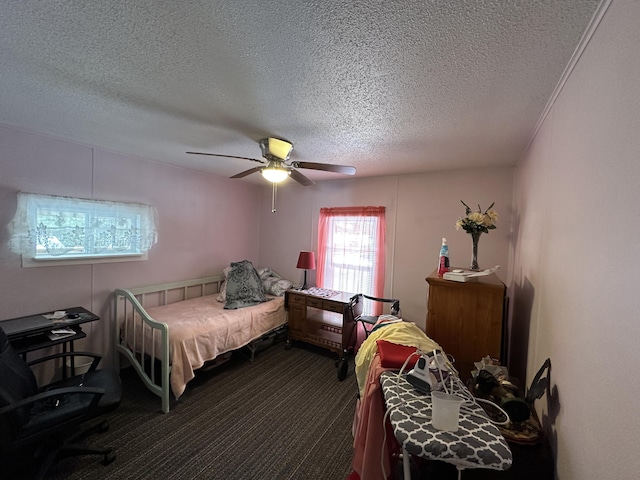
<point>443,264</point>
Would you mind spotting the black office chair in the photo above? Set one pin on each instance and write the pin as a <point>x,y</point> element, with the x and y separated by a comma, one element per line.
<point>368,320</point>
<point>39,425</point>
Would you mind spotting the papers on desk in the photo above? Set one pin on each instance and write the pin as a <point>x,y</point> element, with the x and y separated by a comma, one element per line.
<point>58,333</point>
<point>320,292</point>
<point>62,316</point>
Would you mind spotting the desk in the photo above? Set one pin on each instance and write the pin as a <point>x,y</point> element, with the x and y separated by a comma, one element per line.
<point>477,444</point>
<point>323,320</point>
<point>29,333</point>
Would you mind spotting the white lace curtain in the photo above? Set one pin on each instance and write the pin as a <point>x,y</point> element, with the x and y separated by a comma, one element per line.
<point>47,225</point>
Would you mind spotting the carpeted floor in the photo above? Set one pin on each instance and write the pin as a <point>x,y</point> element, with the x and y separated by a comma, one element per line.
<point>285,416</point>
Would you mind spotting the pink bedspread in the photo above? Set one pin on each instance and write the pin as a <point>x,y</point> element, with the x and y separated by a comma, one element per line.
<point>200,329</point>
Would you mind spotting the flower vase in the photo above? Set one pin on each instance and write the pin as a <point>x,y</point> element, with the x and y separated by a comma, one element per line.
<point>475,236</point>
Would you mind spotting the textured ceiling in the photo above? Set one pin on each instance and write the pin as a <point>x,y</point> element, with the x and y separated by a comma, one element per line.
<point>390,87</point>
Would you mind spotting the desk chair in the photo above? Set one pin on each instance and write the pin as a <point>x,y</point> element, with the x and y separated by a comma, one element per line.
<point>39,425</point>
<point>368,320</point>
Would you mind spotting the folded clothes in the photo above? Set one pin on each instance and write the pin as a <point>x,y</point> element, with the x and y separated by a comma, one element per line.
<point>394,355</point>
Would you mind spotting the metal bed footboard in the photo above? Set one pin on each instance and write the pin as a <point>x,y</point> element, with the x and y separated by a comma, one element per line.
<point>128,303</point>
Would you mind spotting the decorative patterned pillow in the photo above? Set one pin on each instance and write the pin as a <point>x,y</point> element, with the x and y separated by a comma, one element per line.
<point>244,287</point>
<point>273,283</point>
<point>265,273</point>
<point>276,286</point>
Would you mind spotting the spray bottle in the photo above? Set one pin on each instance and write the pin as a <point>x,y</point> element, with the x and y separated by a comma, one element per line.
<point>443,265</point>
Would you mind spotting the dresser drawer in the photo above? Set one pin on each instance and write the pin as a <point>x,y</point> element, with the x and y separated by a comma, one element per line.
<point>296,299</point>
<point>314,302</point>
<point>332,306</point>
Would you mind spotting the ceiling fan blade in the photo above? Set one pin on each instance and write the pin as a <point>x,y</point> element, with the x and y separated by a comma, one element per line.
<point>247,172</point>
<point>326,167</point>
<point>225,156</point>
<point>300,178</point>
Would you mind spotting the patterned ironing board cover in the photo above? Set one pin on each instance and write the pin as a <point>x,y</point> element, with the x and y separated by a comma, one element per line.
<point>477,444</point>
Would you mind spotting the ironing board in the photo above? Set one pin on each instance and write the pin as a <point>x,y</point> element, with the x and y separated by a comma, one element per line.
<point>476,444</point>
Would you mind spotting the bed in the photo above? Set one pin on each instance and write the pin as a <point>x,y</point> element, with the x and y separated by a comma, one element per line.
<point>168,331</point>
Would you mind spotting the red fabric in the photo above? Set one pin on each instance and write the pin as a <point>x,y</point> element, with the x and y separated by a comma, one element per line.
<point>393,355</point>
<point>369,432</point>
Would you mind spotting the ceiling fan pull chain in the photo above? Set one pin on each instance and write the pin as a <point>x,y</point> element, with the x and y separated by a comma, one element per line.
<point>273,197</point>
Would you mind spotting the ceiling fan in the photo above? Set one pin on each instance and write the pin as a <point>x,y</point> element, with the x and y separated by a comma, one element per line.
<point>277,166</point>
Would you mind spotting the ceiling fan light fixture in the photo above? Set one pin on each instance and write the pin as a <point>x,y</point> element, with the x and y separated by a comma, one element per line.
<point>276,147</point>
<point>276,166</point>
<point>274,173</point>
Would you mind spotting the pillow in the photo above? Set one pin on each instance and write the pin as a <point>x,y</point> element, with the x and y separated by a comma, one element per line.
<point>264,273</point>
<point>244,287</point>
<point>273,283</point>
<point>393,355</point>
<point>276,286</point>
<point>222,294</point>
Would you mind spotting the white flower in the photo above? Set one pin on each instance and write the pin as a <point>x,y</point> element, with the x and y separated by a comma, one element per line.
<point>478,221</point>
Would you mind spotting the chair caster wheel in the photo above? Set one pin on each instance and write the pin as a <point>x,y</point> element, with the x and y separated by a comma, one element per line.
<point>287,345</point>
<point>343,367</point>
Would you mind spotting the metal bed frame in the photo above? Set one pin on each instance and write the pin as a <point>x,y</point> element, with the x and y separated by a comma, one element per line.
<point>129,302</point>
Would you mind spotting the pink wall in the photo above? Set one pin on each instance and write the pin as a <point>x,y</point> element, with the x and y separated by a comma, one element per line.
<point>421,209</point>
<point>205,222</point>
<point>577,256</point>
<point>208,221</point>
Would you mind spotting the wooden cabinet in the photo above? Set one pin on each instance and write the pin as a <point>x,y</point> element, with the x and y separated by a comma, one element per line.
<point>467,318</point>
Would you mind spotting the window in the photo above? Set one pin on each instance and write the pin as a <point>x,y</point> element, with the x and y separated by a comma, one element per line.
<point>351,244</point>
<point>58,228</point>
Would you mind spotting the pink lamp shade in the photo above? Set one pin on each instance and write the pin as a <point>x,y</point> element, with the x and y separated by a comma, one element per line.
<point>307,260</point>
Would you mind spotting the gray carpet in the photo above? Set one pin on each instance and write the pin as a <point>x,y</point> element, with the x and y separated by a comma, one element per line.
<point>285,416</point>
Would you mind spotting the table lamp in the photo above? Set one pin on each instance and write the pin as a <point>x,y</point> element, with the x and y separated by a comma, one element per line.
<point>307,261</point>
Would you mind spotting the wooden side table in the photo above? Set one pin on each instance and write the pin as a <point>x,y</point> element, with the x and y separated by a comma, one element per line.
<point>327,322</point>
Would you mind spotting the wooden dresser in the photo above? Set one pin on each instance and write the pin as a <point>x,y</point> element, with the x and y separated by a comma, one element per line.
<point>467,318</point>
